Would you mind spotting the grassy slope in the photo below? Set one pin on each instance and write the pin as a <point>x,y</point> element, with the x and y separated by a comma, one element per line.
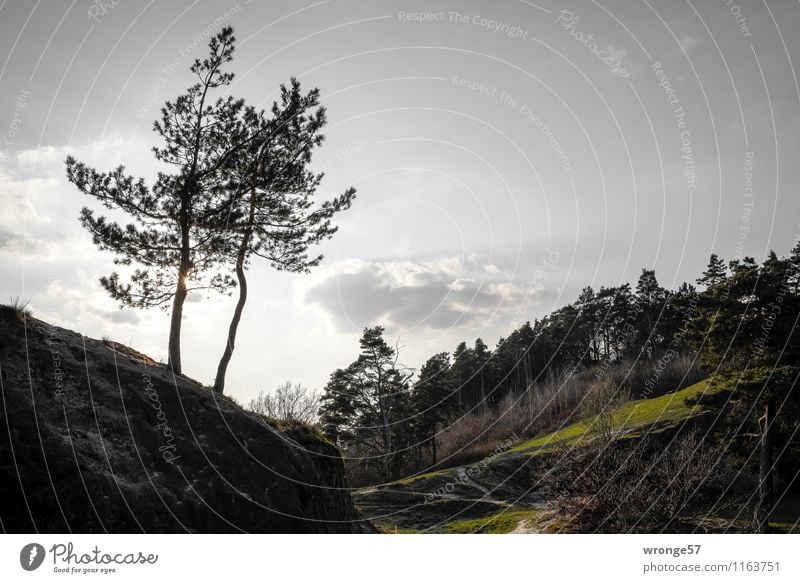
<point>402,506</point>
<point>656,414</point>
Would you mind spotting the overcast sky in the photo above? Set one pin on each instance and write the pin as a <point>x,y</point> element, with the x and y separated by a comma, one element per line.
<point>506,154</point>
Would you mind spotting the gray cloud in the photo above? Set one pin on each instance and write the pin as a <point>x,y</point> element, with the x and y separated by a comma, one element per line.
<point>125,317</point>
<point>405,295</point>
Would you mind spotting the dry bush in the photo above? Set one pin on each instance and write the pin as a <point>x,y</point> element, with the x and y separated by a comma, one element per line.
<point>288,403</point>
<point>664,373</point>
<point>601,408</point>
<point>543,407</point>
<point>630,485</point>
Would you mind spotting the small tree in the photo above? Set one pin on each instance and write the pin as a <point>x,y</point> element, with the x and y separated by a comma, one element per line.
<point>288,403</point>
<point>178,234</point>
<point>714,274</point>
<point>601,408</point>
<point>366,403</point>
<point>650,303</point>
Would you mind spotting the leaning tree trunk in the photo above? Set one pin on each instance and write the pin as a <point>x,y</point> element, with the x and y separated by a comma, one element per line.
<point>765,493</point>
<point>222,369</point>
<point>174,358</point>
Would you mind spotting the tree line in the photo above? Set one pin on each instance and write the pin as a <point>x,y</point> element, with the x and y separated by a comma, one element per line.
<point>235,185</point>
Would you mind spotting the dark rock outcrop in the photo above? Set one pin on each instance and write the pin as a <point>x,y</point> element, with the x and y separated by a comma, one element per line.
<point>95,437</point>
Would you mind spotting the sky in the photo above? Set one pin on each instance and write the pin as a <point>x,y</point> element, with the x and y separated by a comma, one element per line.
<point>506,155</point>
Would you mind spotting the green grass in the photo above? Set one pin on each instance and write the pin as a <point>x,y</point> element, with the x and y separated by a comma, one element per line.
<point>412,479</point>
<point>500,523</point>
<point>668,410</point>
<point>785,527</point>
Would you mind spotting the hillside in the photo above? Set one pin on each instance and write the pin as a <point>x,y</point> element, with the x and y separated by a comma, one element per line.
<point>500,494</point>
<point>99,438</point>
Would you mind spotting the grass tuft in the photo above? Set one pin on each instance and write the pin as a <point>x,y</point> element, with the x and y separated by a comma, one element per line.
<point>500,523</point>
<point>16,308</point>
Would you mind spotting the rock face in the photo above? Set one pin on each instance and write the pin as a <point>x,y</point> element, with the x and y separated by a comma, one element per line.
<point>95,437</point>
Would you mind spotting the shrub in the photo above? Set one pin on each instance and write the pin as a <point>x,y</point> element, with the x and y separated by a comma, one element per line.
<point>288,403</point>
<point>627,485</point>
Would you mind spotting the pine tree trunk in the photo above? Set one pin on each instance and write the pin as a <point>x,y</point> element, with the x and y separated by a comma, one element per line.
<point>765,494</point>
<point>174,347</point>
<point>222,368</point>
<point>181,291</point>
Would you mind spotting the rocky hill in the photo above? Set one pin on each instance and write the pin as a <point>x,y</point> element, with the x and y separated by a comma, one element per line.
<point>95,437</point>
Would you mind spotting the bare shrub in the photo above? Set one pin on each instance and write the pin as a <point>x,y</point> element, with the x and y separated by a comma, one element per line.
<point>288,403</point>
<point>628,485</point>
<point>664,373</point>
<point>601,408</point>
<point>541,408</point>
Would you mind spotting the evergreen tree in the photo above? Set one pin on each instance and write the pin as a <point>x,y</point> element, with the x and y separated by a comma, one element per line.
<point>462,371</point>
<point>651,300</point>
<point>367,403</point>
<point>274,216</point>
<point>177,236</point>
<point>431,398</point>
<point>482,379</point>
<point>714,274</point>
